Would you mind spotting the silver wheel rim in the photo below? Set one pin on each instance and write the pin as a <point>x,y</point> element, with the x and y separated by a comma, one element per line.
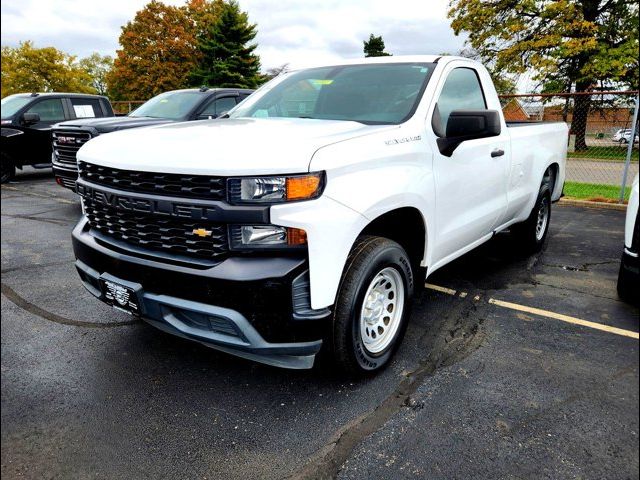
<point>382,310</point>
<point>543,218</point>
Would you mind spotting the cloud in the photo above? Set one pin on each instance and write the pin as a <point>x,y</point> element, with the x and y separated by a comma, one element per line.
<point>289,31</point>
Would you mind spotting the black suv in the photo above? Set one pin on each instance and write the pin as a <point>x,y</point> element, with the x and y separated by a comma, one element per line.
<point>168,107</point>
<point>26,125</point>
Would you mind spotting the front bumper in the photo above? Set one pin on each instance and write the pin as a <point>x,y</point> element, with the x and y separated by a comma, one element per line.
<point>245,306</point>
<point>65,175</point>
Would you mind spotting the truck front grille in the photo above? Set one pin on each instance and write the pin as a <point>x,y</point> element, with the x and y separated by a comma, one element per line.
<point>153,232</point>
<point>167,184</point>
<point>66,144</point>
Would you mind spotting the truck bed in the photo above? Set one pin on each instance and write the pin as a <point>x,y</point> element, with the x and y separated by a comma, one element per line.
<point>525,123</point>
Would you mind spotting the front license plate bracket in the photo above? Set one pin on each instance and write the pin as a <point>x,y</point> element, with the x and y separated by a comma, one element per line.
<point>121,295</point>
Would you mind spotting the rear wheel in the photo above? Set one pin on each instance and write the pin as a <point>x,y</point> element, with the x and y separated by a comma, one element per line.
<point>8,169</point>
<point>373,305</point>
<point>532,233</point>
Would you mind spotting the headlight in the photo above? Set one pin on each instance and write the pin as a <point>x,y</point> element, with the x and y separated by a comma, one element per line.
<point>265,236</point>
<point>276,189</point>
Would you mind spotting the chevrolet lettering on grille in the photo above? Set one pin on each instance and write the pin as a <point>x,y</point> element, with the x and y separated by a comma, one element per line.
<point>146,205</point>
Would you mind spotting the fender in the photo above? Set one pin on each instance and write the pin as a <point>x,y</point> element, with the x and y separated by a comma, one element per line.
<point>366,178</point>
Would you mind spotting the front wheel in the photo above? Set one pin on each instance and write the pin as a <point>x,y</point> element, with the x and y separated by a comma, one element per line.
<point>532,233</point>
<point>8,169</point>
<point>373,305</point>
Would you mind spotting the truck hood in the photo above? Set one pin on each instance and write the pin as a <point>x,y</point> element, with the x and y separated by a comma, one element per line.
<point>112,124</point>
<point>223,147</point>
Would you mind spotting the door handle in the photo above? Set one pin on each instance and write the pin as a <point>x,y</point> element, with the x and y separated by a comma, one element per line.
<point>497,153</point>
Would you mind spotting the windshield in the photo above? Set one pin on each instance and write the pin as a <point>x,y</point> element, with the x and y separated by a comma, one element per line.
<point>371,94</point>
<point>169,105</point>
<point>11,104</point>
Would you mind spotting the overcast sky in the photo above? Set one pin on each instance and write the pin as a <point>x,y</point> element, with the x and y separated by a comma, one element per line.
<point>289,31</point>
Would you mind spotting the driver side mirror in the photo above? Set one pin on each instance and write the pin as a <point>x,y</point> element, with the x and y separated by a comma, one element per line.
<point>466,125</point>
<point>30,118</point>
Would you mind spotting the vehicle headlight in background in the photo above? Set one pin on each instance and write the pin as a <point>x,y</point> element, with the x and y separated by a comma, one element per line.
<point>265,237</point>
<point>275,189</point>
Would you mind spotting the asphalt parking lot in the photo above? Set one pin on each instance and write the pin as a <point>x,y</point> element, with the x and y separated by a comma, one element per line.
<point>483,386</point>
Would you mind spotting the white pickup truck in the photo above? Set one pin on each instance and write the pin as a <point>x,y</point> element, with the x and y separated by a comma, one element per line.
<point>310,216</point>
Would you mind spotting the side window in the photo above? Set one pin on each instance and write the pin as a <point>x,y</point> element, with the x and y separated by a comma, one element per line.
<point>50,110</point>
<point>86,107</point>
<point>461,91</point>
<point>218,106</point>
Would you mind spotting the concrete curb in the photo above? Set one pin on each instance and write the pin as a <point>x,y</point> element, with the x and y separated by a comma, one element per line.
<point>569,202</point>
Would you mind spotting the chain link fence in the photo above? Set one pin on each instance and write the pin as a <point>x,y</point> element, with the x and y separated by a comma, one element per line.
<point>602,158</point>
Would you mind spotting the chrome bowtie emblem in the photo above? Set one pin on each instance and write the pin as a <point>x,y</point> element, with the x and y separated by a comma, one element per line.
<point>202,232</point>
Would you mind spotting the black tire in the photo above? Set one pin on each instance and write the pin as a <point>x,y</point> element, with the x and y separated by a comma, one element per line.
<point>527,234</point>
<point>8,169</point>
<point>370,258</point>
<point>627,285</point>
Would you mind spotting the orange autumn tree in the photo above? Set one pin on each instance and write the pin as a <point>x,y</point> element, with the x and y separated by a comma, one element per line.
<point>158,51</point>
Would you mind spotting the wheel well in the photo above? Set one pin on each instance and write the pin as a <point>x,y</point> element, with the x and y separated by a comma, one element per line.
<point>550,176</point>
<point>405,226</point>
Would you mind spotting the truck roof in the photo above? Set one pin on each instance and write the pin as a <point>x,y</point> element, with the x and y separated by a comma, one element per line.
<point>388,59</point>
<point>206,89</point>
<point>57,94</point>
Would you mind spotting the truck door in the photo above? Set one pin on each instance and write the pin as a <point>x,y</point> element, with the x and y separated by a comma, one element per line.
<point>36,147</point>
<point>471,183</point>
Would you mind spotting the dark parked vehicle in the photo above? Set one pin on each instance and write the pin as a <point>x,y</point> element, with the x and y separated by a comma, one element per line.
<point>168,107</point>
<point>26,125</point>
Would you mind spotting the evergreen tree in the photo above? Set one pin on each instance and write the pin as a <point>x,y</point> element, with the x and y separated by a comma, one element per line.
<point>375,47</point>
<point>227,57</point>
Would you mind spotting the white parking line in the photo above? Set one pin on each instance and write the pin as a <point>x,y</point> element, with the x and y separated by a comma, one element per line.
<point>543,313</point>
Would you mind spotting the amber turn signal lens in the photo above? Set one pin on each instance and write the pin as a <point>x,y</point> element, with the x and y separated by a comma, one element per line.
<point>299,188</point>
<point>296,236</point>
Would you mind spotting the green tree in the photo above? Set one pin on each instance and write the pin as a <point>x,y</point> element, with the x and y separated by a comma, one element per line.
<point>227,57</point>
<point>98,67</point>
<point>26,68</point>
<point>158,53</point>
<point>575,44</point>
<point>374,47</point>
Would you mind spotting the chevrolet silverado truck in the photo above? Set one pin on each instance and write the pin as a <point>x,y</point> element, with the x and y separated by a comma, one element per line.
<point>26,125</point>
<point>168,107</point>
<point>308,218</point>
